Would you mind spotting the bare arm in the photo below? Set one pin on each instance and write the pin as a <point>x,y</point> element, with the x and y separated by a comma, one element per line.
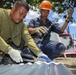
<point>31,30</point>
<point>62,28</point>
<point>68,18</point>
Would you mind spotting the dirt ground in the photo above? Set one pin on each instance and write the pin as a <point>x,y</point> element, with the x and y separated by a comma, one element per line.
<point>70,62</point>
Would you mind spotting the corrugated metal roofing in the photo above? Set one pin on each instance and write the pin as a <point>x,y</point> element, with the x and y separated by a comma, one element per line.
<point>35,69</point>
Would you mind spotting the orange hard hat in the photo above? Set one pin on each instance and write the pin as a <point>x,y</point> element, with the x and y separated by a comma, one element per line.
<point>46,5</point>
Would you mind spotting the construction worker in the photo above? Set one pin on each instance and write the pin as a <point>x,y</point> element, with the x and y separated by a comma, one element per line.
<point>14,34</point>
<point>41,27</point>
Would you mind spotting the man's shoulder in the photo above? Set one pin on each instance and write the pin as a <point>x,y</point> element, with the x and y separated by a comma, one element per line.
<point>49,20</point>
<point>2,10</point>
<point>35,19</point>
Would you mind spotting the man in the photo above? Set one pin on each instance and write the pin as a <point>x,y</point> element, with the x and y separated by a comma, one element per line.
<point>14,34</point>
<point>40,29</point>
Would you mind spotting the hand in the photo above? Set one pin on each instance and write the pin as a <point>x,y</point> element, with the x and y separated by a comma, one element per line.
<point>44,57</point>
<point>41,30</point>
<point>69,16</point>
<point>15,55</point>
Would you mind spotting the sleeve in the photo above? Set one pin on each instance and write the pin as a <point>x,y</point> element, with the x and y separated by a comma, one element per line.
<point>31,24</point>
<point>0,19</point>
<point>56,28</point>
<point>4,46</point>
<point>29,41</point>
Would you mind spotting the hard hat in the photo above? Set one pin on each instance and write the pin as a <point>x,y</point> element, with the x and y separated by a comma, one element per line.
<point>46,5</point>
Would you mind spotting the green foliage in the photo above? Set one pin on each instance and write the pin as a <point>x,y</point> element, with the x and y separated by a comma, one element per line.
<point>61,5</point>
<point>6,3</point>
<point>57,5</point>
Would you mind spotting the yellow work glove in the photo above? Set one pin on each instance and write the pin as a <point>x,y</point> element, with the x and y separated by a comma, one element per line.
<point>41,30</point>
<point>69,16</point>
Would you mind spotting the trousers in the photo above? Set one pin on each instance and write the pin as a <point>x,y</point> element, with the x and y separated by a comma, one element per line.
<point>53,49</point>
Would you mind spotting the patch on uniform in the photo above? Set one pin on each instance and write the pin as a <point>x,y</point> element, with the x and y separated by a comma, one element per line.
<point>37,24</point>
<point>31,25</point>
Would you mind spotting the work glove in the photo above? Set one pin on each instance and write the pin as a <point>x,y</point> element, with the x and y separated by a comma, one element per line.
<point>41,30</point>
<point>69,16</point>
<point>15,55</point>
<point>44,57</point>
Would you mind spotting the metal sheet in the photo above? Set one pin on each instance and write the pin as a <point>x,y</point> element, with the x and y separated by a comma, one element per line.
<point>35,69</point>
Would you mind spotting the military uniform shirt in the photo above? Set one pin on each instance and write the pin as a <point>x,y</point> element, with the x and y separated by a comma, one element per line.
<point>9,29</point>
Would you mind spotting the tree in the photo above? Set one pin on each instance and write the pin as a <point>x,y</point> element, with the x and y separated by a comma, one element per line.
<point>62,5</point>
<point>6,3</point>
<point>57,5</point>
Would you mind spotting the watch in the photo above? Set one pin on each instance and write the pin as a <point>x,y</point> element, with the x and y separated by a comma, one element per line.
<point>66,21</point>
